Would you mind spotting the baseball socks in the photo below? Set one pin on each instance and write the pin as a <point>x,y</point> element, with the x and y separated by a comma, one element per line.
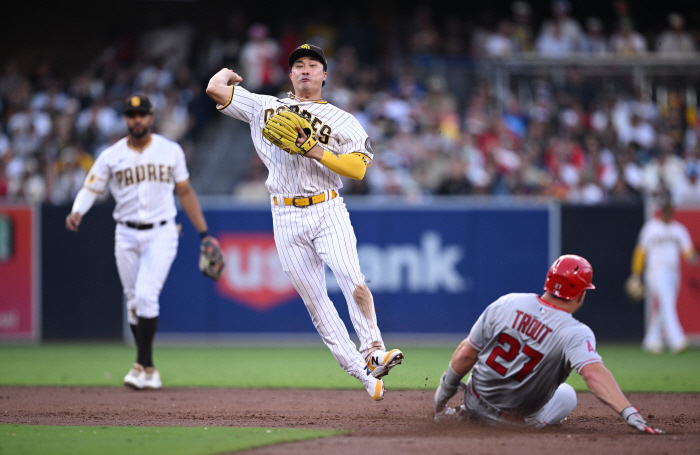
<point>145,332</point>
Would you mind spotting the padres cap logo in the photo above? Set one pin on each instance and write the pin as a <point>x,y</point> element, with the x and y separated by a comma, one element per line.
<point>138,103</point>
<point>308,50</point>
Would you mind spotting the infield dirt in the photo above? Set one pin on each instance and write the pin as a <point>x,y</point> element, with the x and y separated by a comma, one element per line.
<point>400,424</point>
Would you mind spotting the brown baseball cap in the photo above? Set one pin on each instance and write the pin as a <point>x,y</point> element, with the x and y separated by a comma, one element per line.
<point>308,50</point>
<point>138,103</point>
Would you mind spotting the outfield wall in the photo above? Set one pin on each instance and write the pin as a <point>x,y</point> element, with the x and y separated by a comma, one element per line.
<point>432,269</point>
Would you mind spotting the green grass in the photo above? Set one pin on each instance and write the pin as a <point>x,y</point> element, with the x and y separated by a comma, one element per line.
<point>81,440</point>
<point>637,371</point>
<point>106,365</point>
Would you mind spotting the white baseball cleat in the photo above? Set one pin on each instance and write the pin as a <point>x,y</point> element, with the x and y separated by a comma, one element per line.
<point>135,377</point>
<point>380,362</point>
<point>375,387</point>
<point>653,348</point>
<point>684,344</point>
<point>152,379</point>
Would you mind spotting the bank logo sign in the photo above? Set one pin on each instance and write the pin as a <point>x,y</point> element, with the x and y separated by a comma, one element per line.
<point>254,277</point>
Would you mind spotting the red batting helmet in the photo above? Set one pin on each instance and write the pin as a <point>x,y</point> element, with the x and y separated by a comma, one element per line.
<point>569,276</point>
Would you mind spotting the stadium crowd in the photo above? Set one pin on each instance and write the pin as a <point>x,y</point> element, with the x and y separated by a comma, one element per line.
<point>574,140</point>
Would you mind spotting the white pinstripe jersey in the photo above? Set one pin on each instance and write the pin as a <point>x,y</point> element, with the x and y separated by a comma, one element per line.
<point>291,175</point>
<point>664,244</point>
<point>142,183</point>
<point>527,348</point>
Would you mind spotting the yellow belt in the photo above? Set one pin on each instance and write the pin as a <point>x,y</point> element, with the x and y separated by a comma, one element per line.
<point>303,201</point>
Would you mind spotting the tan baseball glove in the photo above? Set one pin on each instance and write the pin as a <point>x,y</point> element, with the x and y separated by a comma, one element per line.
<point>281,130</point>
<point>634,288</point>
<point>211,260</point>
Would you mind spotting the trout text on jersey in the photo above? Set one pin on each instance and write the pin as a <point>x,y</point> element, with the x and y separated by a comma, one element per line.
<point>530,326</point>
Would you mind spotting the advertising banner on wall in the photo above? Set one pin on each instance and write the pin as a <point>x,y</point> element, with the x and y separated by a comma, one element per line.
<point>18,273</point>
<point>689,295</point>
<point>431,270</point>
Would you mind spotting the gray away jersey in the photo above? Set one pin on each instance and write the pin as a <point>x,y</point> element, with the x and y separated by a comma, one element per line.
<point>527,348</point>
<point>292,175</point>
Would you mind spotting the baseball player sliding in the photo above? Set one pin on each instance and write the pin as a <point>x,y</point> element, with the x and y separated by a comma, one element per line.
<point>521,350</point>
<point>306,145</point>
<point>662,242</point>
<point>142,170</point>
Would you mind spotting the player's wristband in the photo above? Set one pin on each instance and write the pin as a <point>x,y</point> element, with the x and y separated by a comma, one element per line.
<point>203,234</point>
<point>628,411</point>
<point>452,378</point>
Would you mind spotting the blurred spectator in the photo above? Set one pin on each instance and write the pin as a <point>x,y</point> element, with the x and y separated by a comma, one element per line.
<point>638,131</point>
<point>455,181</point>
<point>259,61</point>
<point>562,34</point>
<point>425,38</point>
<point>553,42</point>
<point>675,40</point>
<point>481,31</point>
<point>587,191</point>
<point>501,43</point>
<point>514,118</point>
<point>389,177</point>
<point>173,120</point>
<point>601,163</point>
<point>687,190</point>
<point>665,170</point>
<point>522,34</point>
<point>252,188</point>
<point>626,41</point>
<point>567,133</point>
<point>67,176</point>
<point>594,41</point>
<point>169,45</point>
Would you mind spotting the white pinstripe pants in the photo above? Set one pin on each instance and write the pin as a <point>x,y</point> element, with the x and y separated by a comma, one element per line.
<point>143,261</point>
<point>306,237</point>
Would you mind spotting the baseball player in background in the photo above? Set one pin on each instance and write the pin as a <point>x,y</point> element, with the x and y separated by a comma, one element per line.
<point>662,242</point>
<point>142,170</point>
<point>311,222</point>
<point>522,349</point>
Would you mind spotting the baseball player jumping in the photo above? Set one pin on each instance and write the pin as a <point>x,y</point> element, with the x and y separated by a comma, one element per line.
<point>306,145</point>
<point>521,350</point>
<point>142,170</point>
<point>662,243</point>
